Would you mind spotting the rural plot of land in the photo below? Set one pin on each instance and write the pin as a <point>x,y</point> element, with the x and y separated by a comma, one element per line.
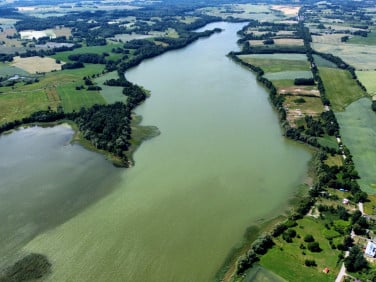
<point>362,57</point>
<point>287,259</point>
<point>273,63</point>
<point>36,64</point>
<point>288,75</point>
<point>340,88</point>
<point>368,79</point>
<point>358,130</point>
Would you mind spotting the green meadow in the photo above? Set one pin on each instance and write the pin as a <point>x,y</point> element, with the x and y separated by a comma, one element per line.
<point>276,65</point>
<point>340,88</point>
<point>288,259</point>
<point>358,130</point>
<point>367,78</point>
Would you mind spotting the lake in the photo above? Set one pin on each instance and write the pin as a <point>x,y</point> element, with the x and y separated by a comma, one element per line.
<point>220,165</point>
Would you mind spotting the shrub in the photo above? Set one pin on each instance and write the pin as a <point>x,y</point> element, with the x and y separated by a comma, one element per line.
<point>308,238</point>
<point>314,247</point>
<point>310,262</point>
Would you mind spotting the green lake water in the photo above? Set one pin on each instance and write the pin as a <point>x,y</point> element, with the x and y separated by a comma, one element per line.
<point>220,165</point>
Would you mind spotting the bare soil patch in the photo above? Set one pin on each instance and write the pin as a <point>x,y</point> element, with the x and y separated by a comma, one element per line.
<point>299,91</point>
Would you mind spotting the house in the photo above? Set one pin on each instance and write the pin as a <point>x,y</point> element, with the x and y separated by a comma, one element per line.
<point>326,270</point>
<point>345,201</point>
<point>371,249</point>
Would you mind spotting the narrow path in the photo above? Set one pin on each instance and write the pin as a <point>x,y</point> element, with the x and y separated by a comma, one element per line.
<point>360,206</point>
<point>342,272</point>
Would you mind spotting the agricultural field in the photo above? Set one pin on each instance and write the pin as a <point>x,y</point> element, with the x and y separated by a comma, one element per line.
<point>73,100</point>
<point>243,11</point>
<point>288,42</point>
<point>30,34</point>
<point>367,78</point>
<point>7,70</point>
<point>36,64</point>
<point>369,40</point>
<point>63,56</point>
<point>270,63</point>
<point>340,88</point>
<point>362,57</point>
<point>323,63</point>
<point>358,130</point>
<point>53,89</point>
<point>22,104</point>
<point>288,75</point>
<point>288,259</point>
<point>287,10</point>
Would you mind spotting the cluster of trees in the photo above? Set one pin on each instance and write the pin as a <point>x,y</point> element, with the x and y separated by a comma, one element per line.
<point>259,247</point>
<point>75,65</point>
<point>374,105</point>
<point>304,81</point>
<point>107,127</point>
<point>90,58</point>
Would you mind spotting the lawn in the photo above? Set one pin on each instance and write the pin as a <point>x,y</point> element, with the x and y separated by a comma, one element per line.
<point>276,65</point>
<point>340,88</point>
<point>358,130</point>
<point>367,78</point>
<point>287,259</point>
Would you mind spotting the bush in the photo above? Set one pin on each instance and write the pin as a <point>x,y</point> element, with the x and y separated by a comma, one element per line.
<point>278,230</point>
<point>310,262</point>
<point>309,238</point>
<point>33,266</point>
<point>314,247</point>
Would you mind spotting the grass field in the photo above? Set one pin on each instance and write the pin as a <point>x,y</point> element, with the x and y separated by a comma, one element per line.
<point>63,56</point>
<point>8,70</point>
<point>287,259</point>
<point>52,89</point>
<point>335,160</point>
<point>74,100</point>
<point>369,40</point>
<point>370,207</point>
<point>36,64</point>
<point>340,88</point>
<point>312,106</point>
<point>110,94</point>
<point>17,106</point>
<point>323,63</point>
<point>279,56</point>
<point>358,130</point>
<point>367,78</point>
<point>260,274</point>
<point>272,64</point>
<point>328,141</point>
<point>288,75</point>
